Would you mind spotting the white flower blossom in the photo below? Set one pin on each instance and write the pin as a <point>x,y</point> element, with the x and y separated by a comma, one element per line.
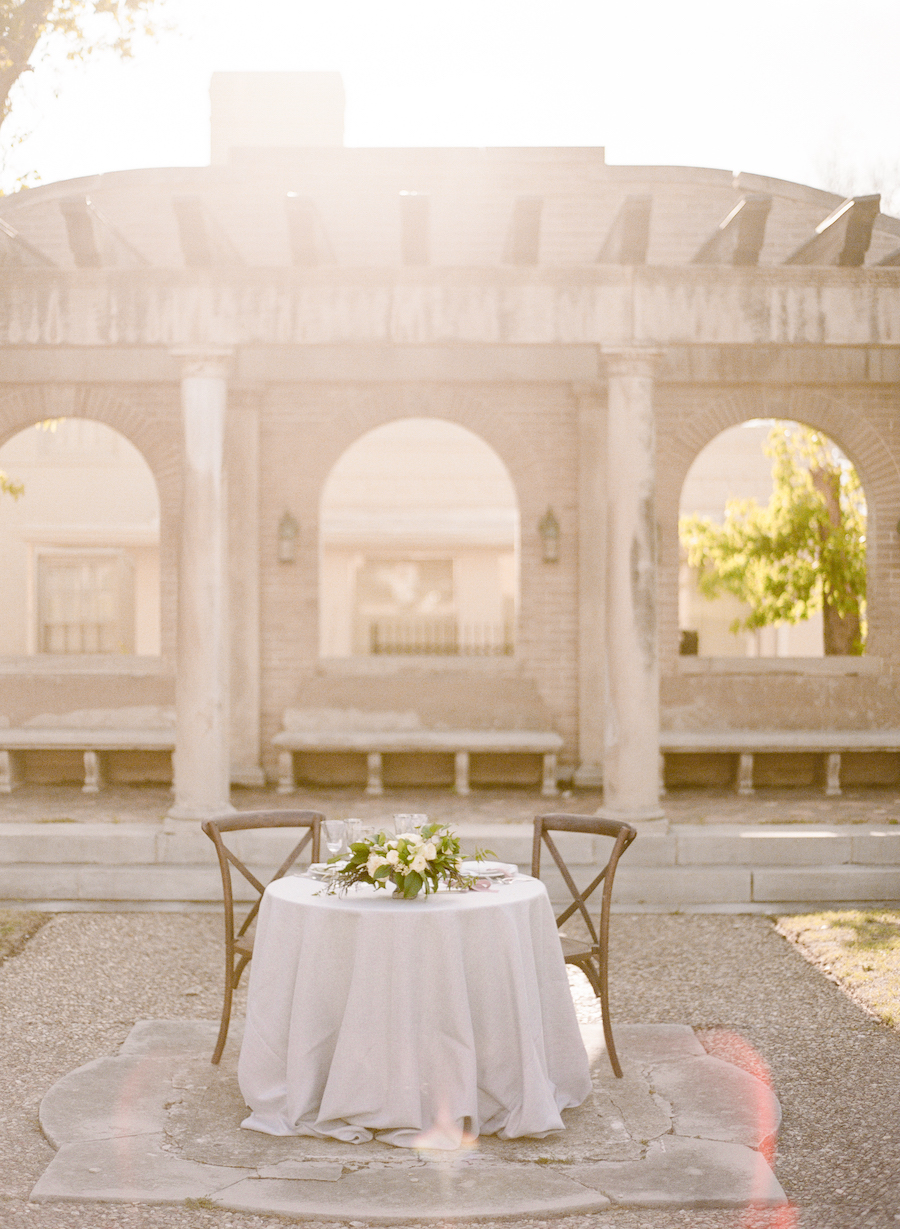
<point>393,857</point>
<point>419,863</point>
<point>375,860</point>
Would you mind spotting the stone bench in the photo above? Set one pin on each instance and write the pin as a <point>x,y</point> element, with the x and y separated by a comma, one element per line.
<point>94,733</point>
<point>747,743</point>
<point>375,744</point>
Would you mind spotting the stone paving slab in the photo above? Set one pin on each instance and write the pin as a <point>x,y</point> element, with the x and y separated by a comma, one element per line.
<point>688,1173</point>
<point>392,1196</point>
<point>159,1124</point>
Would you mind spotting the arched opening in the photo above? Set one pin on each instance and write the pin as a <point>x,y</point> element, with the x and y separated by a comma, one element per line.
<point>419,532</point>
<point>79,548</point>
<point>772,528</point>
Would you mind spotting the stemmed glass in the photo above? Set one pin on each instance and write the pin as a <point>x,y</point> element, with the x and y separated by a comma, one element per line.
<point>354,830</point>
<point>335,831</point>
<point>408,823</point>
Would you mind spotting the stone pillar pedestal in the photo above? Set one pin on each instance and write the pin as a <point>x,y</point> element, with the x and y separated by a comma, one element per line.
<point>591,583</point>
<point>202,787</point>
<point>631,734</point>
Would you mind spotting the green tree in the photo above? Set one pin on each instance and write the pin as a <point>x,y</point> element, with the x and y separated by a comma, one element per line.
<point>9,487</point>
<point>79,27</point>
<point>805,551</point>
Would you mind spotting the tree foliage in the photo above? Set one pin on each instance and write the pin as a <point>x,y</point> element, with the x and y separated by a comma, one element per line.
<point>80,27</point>
<point>804,552</point>
<point>9,487</point>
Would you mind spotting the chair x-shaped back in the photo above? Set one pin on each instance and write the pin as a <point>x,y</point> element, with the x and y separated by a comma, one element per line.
<point>592,956</point>
<point>239,936</point>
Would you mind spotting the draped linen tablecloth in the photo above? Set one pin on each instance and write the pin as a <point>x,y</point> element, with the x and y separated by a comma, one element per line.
<point>418,1022</point>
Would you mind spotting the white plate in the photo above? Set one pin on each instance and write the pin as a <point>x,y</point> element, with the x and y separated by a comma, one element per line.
<point>322,870</point>
<point>489,870</point>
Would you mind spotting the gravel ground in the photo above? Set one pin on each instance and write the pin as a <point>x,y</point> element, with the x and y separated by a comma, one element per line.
<point>79,985</point>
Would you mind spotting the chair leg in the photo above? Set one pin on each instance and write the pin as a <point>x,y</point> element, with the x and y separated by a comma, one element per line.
<point>226,1020</point>
<point>594,970</point>
<point>232,977</point>
<point>607,1027</point>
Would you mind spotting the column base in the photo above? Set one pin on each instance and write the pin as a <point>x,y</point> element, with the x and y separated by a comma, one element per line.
<point>643,818</point>
<point>249,776</point>
<point>185,812</point>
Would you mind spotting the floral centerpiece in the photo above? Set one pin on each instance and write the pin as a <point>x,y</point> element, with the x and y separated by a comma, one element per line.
<point>426,857</point>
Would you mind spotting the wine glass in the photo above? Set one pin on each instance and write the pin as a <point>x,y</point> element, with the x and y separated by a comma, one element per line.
<point>335,830</point>
<point>402,823</point>
<point>354,830</point>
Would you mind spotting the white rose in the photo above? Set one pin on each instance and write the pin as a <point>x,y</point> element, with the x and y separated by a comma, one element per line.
<point>419,863</point>
<point>392,857</point>
<point>375,860</point>
<point>429,851</point>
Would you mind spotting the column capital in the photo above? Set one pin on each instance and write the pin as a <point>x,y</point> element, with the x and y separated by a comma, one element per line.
<point>631,360</point>
<point>211,361</point>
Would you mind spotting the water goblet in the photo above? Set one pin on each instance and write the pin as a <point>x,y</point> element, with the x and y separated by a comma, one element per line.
<point>354,830</point>
<point>402,823</point>
<point>335,830</point>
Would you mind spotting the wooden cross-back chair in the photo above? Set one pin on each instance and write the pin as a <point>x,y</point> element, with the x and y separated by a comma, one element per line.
<point>239,934</point>
<point>590,954</point>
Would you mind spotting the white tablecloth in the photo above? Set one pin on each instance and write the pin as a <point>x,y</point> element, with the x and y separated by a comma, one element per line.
<point>416,1022</point>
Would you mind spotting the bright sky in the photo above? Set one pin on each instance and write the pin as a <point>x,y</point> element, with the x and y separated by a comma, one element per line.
<point>797,89</point>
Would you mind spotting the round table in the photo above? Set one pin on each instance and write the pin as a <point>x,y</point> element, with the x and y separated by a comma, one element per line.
<point>418,1022</point>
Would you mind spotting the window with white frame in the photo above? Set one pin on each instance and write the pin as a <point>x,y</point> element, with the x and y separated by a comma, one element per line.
<point>85,601</point>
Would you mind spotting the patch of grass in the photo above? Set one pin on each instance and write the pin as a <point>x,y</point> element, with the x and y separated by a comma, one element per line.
<point>16,928</point>
<point>857,948</point>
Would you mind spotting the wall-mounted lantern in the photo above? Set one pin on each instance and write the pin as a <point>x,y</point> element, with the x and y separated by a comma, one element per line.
<point>548,528</point>
<point>288,532</point>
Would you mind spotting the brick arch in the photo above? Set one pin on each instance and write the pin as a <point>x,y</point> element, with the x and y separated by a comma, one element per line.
<point>25,405</point>
<point>501,431</point>
<point>841,416</point>
<point>155,435</point>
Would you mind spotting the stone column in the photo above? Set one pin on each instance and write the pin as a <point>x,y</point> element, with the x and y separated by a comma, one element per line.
<point>202,681</point>
<point>591,582</point>
<point>243,536</point>
<point>631,735</point>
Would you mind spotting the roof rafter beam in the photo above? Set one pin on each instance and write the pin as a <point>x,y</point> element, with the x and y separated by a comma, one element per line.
<point>629,236</point>
<point>14,250</point>
<point>739,237</point>
<point>204,242</point>
<point>523,238</point>
<point>843,238</point>
<point>93,240</point>
<point>306,235</point>
<point>415,227</point>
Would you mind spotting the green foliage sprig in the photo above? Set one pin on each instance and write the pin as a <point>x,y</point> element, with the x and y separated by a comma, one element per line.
<point>412,861</point>
<point>9,487</point>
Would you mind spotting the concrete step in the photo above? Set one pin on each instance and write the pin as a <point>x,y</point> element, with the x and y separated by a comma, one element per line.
<point>686,867</point>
